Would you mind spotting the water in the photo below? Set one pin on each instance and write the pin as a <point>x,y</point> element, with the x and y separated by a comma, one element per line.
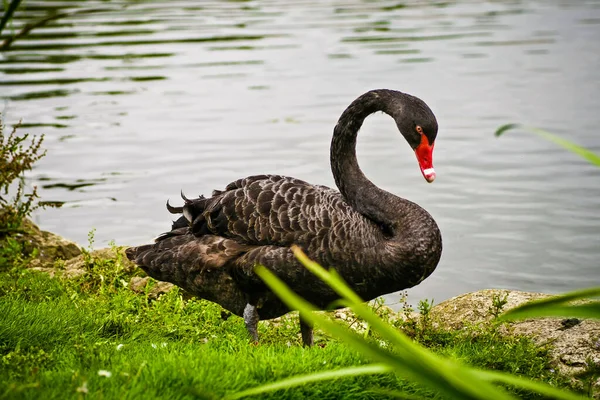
<point>144,99</point>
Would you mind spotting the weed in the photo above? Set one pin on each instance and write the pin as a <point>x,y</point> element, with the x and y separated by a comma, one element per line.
<point>590,377</point>
<point>17,156</point>
<point>498,303</point>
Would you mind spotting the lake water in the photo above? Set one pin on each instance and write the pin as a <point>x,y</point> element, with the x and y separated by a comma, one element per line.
<point>139,100</point>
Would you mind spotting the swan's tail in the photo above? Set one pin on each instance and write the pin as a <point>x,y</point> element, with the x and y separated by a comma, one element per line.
<point>193,211</point>
<point>162,259</point>
<point>199,265</point>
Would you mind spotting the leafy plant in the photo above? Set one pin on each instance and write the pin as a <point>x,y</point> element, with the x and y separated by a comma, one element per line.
<point>17,155</point>
<point>498,303</point>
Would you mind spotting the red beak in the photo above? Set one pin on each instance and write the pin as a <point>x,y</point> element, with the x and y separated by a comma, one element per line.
<point>424,153</point>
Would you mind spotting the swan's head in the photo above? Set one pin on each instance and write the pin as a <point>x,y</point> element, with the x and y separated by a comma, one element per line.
<point>419,127</point>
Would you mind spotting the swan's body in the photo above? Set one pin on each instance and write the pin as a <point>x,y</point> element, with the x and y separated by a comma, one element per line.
<point>378,242</point>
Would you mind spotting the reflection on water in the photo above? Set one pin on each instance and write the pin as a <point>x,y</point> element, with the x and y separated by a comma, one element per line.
<point>139,100</point>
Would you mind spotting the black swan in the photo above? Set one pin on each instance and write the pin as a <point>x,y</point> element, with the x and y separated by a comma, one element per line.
<point>378,242</point>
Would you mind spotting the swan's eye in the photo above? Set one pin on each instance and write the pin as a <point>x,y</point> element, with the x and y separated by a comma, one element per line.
<point>419,129</point>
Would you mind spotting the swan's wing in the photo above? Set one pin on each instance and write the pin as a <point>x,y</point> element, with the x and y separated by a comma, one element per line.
<point>270,210</point>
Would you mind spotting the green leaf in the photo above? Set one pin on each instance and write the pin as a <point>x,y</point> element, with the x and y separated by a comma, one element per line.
<point>10,10</point>
<point>517,381</point>
<point>505,128</point>
<point>315,377</point>
<point>581,151</point>
<point>394,394</point>
<point>557,306</point>
<point>410,360</point>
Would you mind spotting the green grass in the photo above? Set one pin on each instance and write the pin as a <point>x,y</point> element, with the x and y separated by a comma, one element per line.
<point>58,336</point>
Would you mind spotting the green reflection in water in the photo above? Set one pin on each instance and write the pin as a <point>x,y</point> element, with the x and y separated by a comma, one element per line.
<point>515,42</point>
<point>398,51</point>
<point>61,46</point>
<point>146,78</point>
<point>367,39</point>
<point>55,81</point>
<point>127,56</point>
<point>79,183</point>
<point>43,125</point>
<point>394,7</point>
<point>43,94</point>
<point>339,55</point>
<point>20,71</point>
<point>416,60</point>
<point>63,58</point>
<point>113,92</point>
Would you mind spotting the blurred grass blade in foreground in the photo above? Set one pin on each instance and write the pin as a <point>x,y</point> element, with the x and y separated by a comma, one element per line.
<point>581,151</point>
<point>559,306</point>
<point>313,377</point>
<point>8,13</point>
<point>408,359</point>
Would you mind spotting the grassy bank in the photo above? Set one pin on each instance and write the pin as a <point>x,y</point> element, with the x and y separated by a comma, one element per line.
<point>94,337</point>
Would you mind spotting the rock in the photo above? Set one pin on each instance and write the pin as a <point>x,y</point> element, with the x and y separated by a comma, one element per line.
<point>50,247</point>
<point>573,343</point>
<point>477,307</point>
<point>77,266</point>
<point>107,253</point>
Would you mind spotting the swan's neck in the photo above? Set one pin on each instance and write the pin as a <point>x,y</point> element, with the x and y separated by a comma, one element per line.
<point>362,194</point>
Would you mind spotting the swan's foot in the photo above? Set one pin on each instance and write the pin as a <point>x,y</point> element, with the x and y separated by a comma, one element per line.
<point>251,319</point>
<point>306,329</point>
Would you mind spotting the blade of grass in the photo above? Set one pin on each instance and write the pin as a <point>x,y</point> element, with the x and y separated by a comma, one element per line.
<point>296,302</point>
<point>394,394</point>
<point>581,151</point>
<point>542,388</point>
<point>451,376</point>
<point>330,277</point>
<point>39,23</point>
<point>315,377</point>
<point>439,374</point>
<point>407,350</point>
<point>557,306</point>
<point>10,10</point>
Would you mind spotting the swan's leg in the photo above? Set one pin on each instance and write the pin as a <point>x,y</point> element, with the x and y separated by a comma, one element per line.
<point>251,319</point>
<point>306,329</point>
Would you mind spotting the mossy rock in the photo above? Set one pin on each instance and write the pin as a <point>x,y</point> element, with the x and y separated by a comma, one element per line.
<point>477,307</point>
<point>79,265</point>
<point>49,246</point>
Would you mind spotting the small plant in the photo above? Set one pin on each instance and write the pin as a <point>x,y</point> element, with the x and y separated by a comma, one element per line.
<point>424,308</point>
<point>498,303</point>
<point>408,323</point>
<point>87,253</point>
<point>17,155</point>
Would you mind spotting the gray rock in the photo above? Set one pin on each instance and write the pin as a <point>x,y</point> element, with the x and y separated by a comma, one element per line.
<point>573,343</point>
